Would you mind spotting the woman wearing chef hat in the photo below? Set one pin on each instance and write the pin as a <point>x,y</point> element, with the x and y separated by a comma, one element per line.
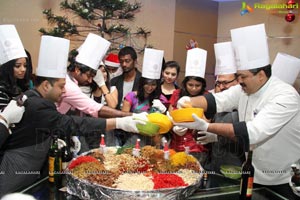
<point>149,90</point>
<point>148,97</point>
<point>193,85</point>
<point>16,69</point>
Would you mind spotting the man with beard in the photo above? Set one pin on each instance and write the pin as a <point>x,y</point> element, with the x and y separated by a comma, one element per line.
<point>128,81</point>
<point>268,112</point>
<point>82,72</point>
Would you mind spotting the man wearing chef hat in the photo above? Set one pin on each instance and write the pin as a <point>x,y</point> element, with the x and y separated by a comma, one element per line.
<point>24,153</point>
<point>90,55</point>
<point>268,111</point>
<point>83,72</point>
<point>225,70</point>
<point>224,150</point>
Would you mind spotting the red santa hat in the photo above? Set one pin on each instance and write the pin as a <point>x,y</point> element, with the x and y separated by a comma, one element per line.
<point>112,60</point>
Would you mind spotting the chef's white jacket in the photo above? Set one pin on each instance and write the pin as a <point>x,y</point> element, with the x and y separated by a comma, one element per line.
<point>270,121</point>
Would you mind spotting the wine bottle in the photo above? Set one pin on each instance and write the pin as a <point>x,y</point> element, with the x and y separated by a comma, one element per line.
<point>66,158</point>
<point>247,178</point>
<point>54,161</point>
<point>66,154</point>
<point>51,158</point>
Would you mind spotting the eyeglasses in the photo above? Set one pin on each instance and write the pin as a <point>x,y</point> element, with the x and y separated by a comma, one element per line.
<point>224,83</point>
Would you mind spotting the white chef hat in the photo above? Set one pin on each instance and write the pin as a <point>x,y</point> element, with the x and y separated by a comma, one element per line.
<point>225,60</point>
<point>11,46</point>
<point>152,63</point>
<point>250,46</point>
<point>53,57</point>
<point>92,51</point>
<point>18,196</point>
<point>196,62</point>
<point>286,67</point>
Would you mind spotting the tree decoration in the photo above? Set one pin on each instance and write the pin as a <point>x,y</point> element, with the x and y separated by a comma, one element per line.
<point>103,17</point>
<point>290,16</point>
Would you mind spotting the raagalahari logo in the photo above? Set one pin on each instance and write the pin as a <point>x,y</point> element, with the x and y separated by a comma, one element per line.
<point>277,7</point>
<point>245,8</point>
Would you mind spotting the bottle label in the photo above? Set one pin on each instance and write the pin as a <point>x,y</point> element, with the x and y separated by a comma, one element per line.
<point>64,165</point>
<point>241,185</point>
<point>249,187</point>
<point>51,168</point>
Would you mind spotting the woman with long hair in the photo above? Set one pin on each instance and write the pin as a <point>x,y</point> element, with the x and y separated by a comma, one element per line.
<point>182,137</point>
<point>170,73</point>
<point>15,78</point>
<point>142,99</point>
<point>147,98</point>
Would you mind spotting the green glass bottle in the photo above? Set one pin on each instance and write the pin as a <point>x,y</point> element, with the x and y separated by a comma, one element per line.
<point>54,160</point>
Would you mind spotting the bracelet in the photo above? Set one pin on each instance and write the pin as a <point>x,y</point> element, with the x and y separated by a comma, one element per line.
<point>106,94</point>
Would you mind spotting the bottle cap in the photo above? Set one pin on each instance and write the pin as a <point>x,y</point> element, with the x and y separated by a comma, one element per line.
<point>166,147</point>
<point>137,144</point>
<point>102,142</point>
<point>166,150</point>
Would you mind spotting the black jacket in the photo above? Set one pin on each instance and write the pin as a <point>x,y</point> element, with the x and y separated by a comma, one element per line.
<point>119,83</point>
<point>26,149</point>
<point>3,134</point>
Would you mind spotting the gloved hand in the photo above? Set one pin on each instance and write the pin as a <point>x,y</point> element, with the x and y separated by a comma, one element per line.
<point>75,148</point>
<point>61,143</point>
<point>128,124</point>
<point>12,112</point>
<point>99,78</point>
<point>198,124</point>
<point>156,103</point>
<point>141,116</point>
<point>184,102</point>
<point>179,130</point>
<point>207,137</point>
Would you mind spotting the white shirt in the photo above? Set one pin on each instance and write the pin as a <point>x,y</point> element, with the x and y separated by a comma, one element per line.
<point>273,123</point>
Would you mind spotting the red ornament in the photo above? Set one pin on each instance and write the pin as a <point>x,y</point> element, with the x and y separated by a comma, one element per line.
<point>290,17</point>
<point>290,4</point>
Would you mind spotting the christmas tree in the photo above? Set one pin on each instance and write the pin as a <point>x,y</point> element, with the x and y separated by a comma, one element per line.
<point>103,17</point>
